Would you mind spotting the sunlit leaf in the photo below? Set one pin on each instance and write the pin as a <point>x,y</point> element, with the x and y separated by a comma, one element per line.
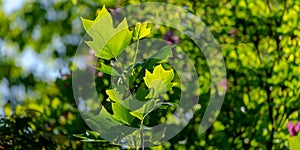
<point>165,105</point>
<point>117,96</point>
<point>107,69</point>
<point>108,42</point>
<point>74,2</point>
<point>103,121</point>
<point>157,136</point>
<point>90,136</point>
<point>159,81</point>
<point>140,31</point>
<point>114,95</point>
<point>146,108</point>
<point>162,55</point>
<point>294,142</point>
<point>121,113</point>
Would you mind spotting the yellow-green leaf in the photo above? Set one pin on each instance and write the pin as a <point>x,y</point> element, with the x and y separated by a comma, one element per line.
<point>159,81</point>
<point>146,108</point>
<point>108,42</point>
<point>140,31</point>
<point>107,69</point>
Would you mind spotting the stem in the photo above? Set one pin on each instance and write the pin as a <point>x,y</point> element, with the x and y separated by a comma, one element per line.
<point>136,51</point>
<point>119,63</point>
<point>122,75</point>
<point>142,134</point>
<point>141,128</point>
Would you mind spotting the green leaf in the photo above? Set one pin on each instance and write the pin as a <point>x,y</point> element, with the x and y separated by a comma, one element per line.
<point>121,105</point>
<point>87,24</point>
<point>103,121</point>
<point>107,69</point>
<point>294,142</point>
<point>140,68</point>
<point>159,81</point>
<point>81,136</point>
<point>137,114</point>
<point>157,136</point>
<point>92,140</point>
<point>108,42</point>
<point>108,126</point>
<point>141,93</point>
<point>145,109</point>
<point>117,96</point>
<point>114,95</point>
<point>90,136</point>
<point>140,31</point>
<point>162,55</point>
<point>74,2</point>
<point>121,113</point>
<point>164,105</point>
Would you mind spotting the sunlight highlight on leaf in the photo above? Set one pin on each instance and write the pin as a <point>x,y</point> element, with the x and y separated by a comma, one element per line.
<point>108,42</point>
<point>140,31</point>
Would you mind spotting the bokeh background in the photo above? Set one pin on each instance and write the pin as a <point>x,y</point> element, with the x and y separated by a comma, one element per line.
<point>259,41</point>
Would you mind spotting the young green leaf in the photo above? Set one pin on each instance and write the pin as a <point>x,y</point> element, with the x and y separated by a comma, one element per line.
<point>107,69</point>
<point>140,31</point>
<point>87,24</point>
<point>114,95</point>
<point>146,108</point>
<point>140,68</point>
<point>159,81</point>
<point>107,125</point>
<point>162,55</point>
<point>120,106</point>
<point>117,96</point>
<point>90,136</point>
<point>108,42</point>
<point>121,113</point>
<point>157,136</point>
<point>165,105</point>
<point>141,93</point>
<point>103,121</point>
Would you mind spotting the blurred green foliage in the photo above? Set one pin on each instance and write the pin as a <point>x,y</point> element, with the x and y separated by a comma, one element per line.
<point>259,41</point>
